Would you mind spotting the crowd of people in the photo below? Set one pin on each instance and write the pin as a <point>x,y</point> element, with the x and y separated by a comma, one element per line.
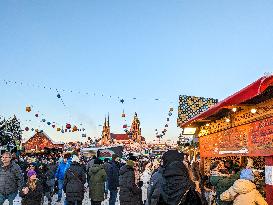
<point>170,180</point>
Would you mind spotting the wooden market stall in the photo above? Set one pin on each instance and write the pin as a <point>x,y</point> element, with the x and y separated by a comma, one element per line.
<point>240,126</point>
<point>40,141</point>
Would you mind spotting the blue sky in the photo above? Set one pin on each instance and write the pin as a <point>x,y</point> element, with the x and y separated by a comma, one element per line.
<point>143,49</point>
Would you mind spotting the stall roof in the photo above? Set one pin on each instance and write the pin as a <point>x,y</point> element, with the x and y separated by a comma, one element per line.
<point>246,94</point>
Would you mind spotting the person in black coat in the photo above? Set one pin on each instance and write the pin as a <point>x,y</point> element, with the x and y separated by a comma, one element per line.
<point>32,193</point>
<point>113,179</point>
<point>74,181</point>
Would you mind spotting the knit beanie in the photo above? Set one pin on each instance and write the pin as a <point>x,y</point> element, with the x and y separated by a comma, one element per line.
<point>247,174</point>
<point>130,163</point>
<point>31,173</point>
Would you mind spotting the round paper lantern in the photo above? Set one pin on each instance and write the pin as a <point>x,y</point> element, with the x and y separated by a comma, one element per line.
<point>26,129</point>
<point>28,108</point>
<point>74,128</point>
<point>68,126</point>
<point>36,115</point>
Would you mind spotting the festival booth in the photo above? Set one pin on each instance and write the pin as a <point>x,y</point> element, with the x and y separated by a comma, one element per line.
<point>41,142</point>
<point>238,127</point>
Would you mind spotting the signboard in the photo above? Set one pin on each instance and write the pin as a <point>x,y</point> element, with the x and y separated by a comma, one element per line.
<point>189,131</point>
<point>254,139</point>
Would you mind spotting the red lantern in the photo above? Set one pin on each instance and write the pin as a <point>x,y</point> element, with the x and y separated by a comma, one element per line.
<point>26,129</point>
<point>124,126</point>
<point>68,126</point>
<point>53,126</point>
<point>123,115</point>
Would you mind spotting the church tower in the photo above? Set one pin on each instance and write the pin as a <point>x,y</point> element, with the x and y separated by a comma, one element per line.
<point>136,130</point>
<point>105,136</point>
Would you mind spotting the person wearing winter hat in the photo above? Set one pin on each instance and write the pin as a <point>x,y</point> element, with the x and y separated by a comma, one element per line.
<point>243,191</point>
<point>32,193</point>
<point>97,177</point>
<point>247,174</point>
<point>74,181</point>
<point>129,192</point>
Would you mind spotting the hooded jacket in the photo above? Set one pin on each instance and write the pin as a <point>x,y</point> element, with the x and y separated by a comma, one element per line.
<point>129,192</point>
<point>96,184</point>
<point>62,169</point>
<point>74,181</point>
<point>243,192</point>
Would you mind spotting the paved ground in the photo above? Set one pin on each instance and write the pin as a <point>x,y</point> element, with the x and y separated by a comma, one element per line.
<point>86,201</point>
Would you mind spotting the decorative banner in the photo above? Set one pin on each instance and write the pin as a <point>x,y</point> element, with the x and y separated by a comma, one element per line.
<point>254,139</point>
<point>190,106</point>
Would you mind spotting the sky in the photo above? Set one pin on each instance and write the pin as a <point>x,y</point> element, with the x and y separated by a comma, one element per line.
<point>144,49</point>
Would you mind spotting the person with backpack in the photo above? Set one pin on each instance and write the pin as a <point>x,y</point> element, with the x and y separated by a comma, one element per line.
<point>171,184</point>
<point>130,193</point>
<point>98,177</point>
<point>74,181</point>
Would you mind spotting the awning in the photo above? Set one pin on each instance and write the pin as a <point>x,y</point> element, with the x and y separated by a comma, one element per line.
<point>239,97</point>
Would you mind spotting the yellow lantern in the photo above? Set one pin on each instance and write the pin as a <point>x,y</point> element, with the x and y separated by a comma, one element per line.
<point>58,129</point>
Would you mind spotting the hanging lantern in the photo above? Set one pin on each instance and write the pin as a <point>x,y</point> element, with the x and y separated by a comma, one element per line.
<point>170,114</point>
<point>68,126</point>
<point>124,126</point>
<point>83,135</point>
<point>43,120</point>
<point>165,130</point>
<point>58,129</point>
<point>74,128</point>
<point>123,115</point>
<point>32,129</point>
<point>36,115</point>
<point>166,125</point>
<point>26,129</point>
<point>62,131</point>
<point>28,109</point>
<point>69,130</point>
<point>168,119</point>
<point>58,95</point>
<point>49,123</point>
<point>53,126</point>
<point>83,129</point>
<point>65,130</point>
<point>171,109</point>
